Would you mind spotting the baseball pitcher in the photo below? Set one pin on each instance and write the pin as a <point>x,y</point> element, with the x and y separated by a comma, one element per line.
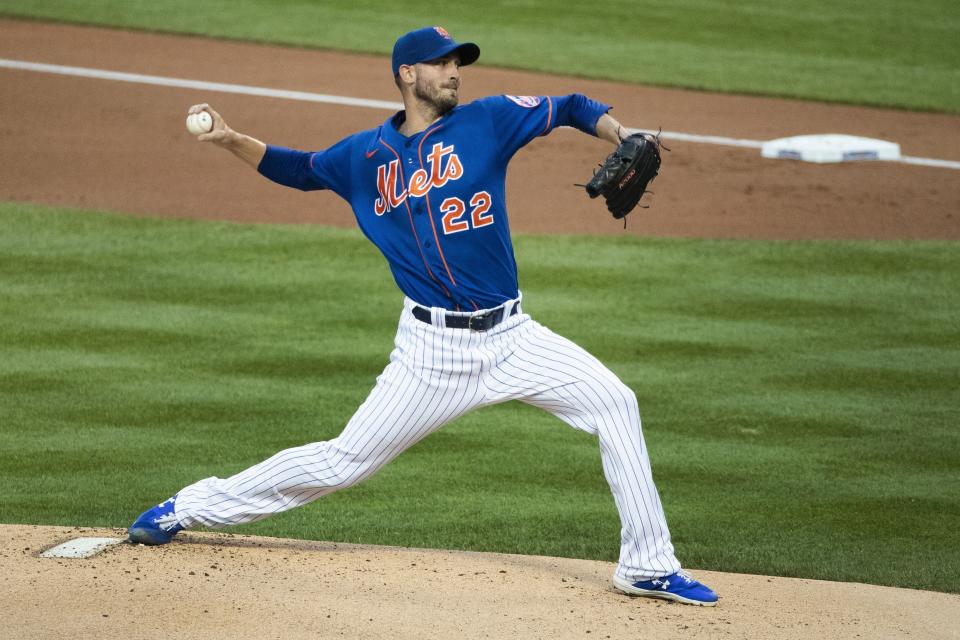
<point>428,189</point>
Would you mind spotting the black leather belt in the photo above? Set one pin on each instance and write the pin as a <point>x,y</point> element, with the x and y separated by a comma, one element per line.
<point>479,322</point>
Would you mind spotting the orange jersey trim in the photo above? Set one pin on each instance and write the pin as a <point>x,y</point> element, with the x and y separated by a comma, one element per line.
<point>426,199</point>
<point>546,129</point>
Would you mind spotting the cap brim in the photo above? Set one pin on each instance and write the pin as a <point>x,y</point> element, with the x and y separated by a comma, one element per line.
<point>469,53</point>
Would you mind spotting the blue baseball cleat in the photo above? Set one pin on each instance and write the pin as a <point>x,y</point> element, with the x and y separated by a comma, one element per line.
<point>679,587</point>
<point>157,525</point>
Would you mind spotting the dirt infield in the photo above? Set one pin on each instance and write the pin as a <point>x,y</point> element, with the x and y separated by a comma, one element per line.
<point>119,146</point>
<point>108,145</point>
<point>218,586</point>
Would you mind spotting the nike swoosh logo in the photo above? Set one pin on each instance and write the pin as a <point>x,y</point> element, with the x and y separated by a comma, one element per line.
<point>370,154</point>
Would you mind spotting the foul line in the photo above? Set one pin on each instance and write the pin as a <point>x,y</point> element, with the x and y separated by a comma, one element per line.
<point>139,78</point>
<point>100,74</point>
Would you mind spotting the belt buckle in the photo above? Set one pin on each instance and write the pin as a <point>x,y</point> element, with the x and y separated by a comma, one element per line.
<point>481,321</point>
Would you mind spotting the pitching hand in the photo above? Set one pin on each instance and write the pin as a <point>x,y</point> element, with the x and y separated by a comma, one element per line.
<point>220,134</point>
<point>248,149</point>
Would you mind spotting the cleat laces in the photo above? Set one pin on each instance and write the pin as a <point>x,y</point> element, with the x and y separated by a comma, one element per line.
<point>685,576</point>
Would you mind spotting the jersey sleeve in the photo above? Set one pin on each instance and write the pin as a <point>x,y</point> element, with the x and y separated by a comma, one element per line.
<point>306,170</point>
<point>519,119</point>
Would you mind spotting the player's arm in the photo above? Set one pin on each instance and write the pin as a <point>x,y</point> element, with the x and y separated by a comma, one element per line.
<point>591,117</point>
<point>245,147</point>
<point>610,130</point>
<point>288,167</point>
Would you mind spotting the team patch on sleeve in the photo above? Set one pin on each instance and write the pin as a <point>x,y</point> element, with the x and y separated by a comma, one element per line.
<point>525,101</point>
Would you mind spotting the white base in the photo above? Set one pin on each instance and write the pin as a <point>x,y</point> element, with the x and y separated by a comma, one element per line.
<point>832,147</point>
<point>80,547</point>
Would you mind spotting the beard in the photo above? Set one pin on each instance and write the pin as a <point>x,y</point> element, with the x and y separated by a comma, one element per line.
<point>438,97</point>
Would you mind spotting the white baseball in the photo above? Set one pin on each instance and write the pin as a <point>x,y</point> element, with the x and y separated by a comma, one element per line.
<point>199,123</point>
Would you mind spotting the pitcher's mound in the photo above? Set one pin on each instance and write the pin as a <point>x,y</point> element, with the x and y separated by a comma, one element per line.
<point>207,585</point>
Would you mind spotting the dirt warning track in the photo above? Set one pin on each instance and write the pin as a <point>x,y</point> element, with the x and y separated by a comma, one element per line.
<point>119,146</point>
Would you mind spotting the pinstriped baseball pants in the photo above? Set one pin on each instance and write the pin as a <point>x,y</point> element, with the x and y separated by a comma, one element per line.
<point>434,376</point>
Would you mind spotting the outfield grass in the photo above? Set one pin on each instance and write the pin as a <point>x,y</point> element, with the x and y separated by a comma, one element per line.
<point>881,52</point>
<point>799,399</point>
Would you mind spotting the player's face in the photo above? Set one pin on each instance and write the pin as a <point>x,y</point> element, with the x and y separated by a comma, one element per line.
<point>438,82</point>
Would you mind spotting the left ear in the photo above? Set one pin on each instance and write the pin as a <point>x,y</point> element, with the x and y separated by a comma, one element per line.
<point>408,73</point>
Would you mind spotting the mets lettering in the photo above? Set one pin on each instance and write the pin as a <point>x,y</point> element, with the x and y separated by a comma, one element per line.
<point>421,181</point>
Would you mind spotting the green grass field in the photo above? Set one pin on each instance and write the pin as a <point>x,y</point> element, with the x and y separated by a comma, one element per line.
<point>799,398</point>
<point>883,52</point>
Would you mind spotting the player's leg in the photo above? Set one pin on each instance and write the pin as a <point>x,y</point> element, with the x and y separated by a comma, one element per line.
<point>413,397</point>
<point>398,413</point>
<point>553,373</point>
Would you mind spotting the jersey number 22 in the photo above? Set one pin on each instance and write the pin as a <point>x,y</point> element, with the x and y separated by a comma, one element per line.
<point>454,213</point>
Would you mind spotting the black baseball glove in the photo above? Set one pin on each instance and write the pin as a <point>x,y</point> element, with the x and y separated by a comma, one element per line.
<point>623,177</point>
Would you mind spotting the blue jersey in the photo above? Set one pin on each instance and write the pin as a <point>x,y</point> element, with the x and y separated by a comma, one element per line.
<point>434,203</point>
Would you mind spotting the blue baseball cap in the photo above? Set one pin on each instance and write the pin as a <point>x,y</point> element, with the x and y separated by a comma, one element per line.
<point>430,43</point>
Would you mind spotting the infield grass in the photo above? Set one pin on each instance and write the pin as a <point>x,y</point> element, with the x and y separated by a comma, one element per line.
<point>799,398</point>
<point>878,52</point>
